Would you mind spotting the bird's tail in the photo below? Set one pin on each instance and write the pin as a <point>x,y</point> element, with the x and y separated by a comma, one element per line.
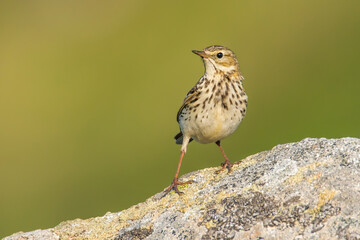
<point>179,138</point>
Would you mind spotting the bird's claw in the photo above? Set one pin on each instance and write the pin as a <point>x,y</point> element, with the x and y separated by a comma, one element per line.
<point>224,165</point>
<point>174,185</point>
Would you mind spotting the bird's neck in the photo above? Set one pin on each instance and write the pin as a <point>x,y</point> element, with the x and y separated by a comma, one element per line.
<point>230,74</point>
<point>213,72</point>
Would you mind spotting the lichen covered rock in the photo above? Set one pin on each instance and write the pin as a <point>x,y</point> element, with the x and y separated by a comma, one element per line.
<point>303,190</point>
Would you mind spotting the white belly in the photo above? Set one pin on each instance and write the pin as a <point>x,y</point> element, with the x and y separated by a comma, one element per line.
<point>213,125</point>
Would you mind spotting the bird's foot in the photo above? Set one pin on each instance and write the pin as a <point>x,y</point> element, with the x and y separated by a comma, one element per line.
<point>226,164</point>
<point>174,185</point>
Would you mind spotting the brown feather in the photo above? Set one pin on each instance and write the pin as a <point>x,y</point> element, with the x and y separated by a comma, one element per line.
<point>189,97</point>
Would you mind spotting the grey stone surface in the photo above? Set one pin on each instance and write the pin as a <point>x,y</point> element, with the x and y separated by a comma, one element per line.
<point>35,235</point>
<point>304,190</point>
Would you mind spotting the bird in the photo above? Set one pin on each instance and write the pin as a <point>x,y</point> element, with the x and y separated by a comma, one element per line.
<point>213,109</point>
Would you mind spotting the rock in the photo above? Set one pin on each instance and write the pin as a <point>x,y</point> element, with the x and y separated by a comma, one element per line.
<point>304,190</point>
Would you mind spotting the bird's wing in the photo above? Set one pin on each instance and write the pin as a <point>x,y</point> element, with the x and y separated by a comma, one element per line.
<point>190,97</point>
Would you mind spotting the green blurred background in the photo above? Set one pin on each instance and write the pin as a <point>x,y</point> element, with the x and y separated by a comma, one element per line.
<point>89,92</point>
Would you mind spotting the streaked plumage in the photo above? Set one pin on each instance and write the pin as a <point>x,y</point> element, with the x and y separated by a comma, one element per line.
<point>215,106</point>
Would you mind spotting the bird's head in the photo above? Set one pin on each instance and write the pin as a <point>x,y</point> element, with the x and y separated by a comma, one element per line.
<point>218,58</point>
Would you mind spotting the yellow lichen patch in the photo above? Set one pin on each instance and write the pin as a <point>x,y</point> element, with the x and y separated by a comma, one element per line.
<point>314,177</point>
<point>101,228</point>
<point>209,224</point>
<point>324,198</point>
<point>252,188</point>
<point>138,211</point>
<point>237,165</point>
<point>299,176</point>
<point>182,187</point>
<point>219,197</point>
<point>151,205</point>
<point>219,176</point>
<point>201,201</point>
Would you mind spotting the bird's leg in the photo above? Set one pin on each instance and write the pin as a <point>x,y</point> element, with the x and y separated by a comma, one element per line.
<point>176,182</point>
<point>227,164</point>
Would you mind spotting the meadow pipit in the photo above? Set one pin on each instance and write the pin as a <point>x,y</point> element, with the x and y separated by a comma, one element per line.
<point>214,107</point>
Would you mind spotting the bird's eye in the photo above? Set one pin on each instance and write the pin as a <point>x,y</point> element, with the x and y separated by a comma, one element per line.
<point>219,55</point>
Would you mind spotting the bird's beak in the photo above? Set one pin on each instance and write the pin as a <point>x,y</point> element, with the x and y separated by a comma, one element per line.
<point>200,53</point>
